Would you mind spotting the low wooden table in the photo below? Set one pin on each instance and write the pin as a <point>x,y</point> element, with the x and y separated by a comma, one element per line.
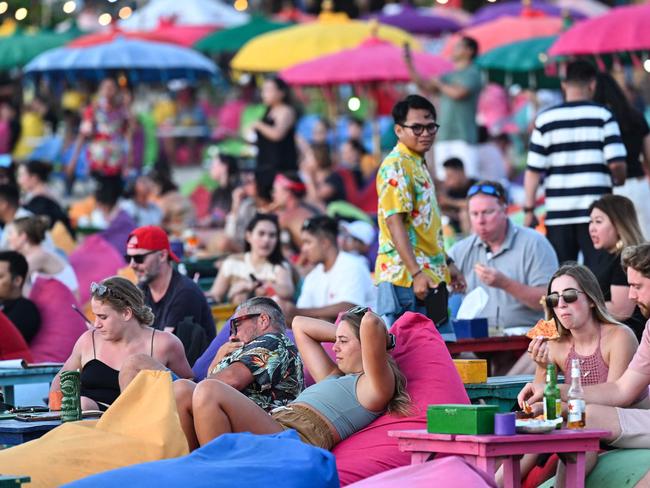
<point>10,481</point>
<point>483,451</point>
<point>14,432</point>
<point>9,377</point>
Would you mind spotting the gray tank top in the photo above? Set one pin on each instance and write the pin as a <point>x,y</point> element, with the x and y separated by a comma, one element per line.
<point>335,398</point>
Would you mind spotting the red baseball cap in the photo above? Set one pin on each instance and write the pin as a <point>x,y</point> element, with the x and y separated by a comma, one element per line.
<point>151,238</point>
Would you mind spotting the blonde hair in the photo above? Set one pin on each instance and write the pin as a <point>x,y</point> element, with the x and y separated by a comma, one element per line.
<point>122,294</point>
<point>400,403</point>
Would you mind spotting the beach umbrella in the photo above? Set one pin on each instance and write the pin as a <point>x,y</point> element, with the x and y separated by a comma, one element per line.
<point>182,35</point>
<point>519,63</point>
<point>517,8</point>
<point>589,8</point>
<point>332,32</point>
<point>416,21</point>
<point>20,47</point>
<point>184,12</point>
<point>293,15</point>
<point>506,30</point>
<point>622,29</point>
<point>463,17</point>
<point>374,60</point>
<point>139,60</point>
<point>232,39</point>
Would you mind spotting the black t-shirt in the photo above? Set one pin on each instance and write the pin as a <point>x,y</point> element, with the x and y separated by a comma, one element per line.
<point>42,205</point>
<point>335,180</point>
<point>183,299</point>
<point>24,314</point>
<point>609,272</point>
<point>633,141</point>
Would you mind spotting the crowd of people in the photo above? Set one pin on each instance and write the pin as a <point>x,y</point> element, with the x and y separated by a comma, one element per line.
<point>297,256</point>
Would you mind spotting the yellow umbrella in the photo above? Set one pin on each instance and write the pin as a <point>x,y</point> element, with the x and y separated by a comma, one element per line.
<point>332,32</point>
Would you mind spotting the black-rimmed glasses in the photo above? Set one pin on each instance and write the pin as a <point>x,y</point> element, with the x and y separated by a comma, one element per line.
<point>138,258</point>
<point>235,322</point>
<point>418,129</point>
<point>569,296</point>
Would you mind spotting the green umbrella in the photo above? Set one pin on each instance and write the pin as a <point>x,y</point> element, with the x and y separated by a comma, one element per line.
<point>20,48</point>
<point>231,40</point>
<point>519,63</point>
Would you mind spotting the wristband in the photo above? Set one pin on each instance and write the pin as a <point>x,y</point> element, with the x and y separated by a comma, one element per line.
<point>529,209</point>
<point>417,273</point>
<point>449,261</point>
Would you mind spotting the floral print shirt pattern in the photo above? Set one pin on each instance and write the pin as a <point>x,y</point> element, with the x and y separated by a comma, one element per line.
<point>276,366</point>
<point>404,186</point>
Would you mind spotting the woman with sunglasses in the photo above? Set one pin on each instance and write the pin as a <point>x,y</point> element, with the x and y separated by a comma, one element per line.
<point>350,392</point>
<point>613,226</point>
<point>121,329</point>
<point>588,332</point>
<point>260,271</point>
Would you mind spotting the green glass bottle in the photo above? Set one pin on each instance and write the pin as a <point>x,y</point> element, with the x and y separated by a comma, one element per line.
<point>552,399</point>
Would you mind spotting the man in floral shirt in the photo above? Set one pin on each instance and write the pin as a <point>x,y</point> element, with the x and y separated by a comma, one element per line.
<point>411,260</point>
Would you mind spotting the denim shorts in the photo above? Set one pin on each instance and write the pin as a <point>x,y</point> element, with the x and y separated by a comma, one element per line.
<point>393,301</point>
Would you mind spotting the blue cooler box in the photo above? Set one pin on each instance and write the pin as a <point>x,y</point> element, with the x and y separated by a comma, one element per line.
<point>470,329</point>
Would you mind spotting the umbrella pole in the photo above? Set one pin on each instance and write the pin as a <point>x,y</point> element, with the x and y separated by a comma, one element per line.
<point>373,93</point>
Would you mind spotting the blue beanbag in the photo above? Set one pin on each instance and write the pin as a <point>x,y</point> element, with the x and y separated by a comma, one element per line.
<point>242,460</point>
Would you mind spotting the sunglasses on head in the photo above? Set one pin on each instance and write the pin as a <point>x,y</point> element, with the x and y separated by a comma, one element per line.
<point>418,129</point>
<point>100,290</point>
<point>138,258</point>
<point>358,310</point>
<point>235,322</point>
<point>486,189</point>
<point>569,296</point>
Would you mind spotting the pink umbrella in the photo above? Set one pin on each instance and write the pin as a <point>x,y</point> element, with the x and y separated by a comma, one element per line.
<point>374,60</point>
<point>621,29</point>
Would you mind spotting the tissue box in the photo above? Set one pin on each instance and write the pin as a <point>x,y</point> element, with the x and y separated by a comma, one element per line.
<point>473,328</point>
<point>472,370</point>
<point>461,419</point>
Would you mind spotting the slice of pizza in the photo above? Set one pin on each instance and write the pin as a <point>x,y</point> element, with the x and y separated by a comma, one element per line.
<point>544,328</point>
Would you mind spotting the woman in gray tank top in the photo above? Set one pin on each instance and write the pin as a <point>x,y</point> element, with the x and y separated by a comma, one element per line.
<point>360,385</point>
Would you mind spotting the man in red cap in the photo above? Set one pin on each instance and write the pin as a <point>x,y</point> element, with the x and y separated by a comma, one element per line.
<point>177,302</point>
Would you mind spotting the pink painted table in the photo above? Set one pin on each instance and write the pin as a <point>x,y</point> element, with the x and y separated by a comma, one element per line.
<point>483,450</point>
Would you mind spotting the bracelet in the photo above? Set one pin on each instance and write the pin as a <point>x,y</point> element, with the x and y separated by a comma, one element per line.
<point>528,209</point>
<point>449,261</point>
<point>416,273</point>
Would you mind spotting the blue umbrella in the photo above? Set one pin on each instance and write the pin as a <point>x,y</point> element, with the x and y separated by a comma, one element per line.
<point>139,60</point>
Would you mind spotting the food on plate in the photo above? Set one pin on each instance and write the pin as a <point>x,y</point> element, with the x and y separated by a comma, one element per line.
<point>544,328</point>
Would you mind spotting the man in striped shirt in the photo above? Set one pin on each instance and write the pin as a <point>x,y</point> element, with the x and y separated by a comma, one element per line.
<point>578,146</point>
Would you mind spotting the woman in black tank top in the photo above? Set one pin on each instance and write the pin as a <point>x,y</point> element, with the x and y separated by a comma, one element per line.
<point>276,131</point>
<point>120,330</point>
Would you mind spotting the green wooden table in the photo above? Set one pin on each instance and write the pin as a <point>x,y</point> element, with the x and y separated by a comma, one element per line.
<point>9,377</point>
<point>11,481</point>
<point>498,390</point>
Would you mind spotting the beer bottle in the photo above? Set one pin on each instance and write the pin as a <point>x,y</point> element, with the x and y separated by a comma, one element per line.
<point>576,399</point>
<point>552,399</point>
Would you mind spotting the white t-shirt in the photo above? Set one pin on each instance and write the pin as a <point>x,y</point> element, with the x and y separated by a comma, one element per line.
<point>347,281</point>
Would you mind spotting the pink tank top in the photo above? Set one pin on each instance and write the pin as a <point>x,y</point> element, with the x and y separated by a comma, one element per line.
<point>593,367</point>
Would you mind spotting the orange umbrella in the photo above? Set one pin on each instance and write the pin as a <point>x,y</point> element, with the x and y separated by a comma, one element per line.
<point>506,30</point>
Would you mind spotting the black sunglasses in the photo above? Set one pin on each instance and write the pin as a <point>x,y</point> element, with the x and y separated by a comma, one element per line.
<point>486,189</point>
<point>418,129</point>
<point>138,258</point>
<point>235,322</point>
<point>569,296</point>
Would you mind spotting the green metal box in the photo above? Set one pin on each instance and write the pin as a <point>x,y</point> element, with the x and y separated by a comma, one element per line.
<point>461,419</point>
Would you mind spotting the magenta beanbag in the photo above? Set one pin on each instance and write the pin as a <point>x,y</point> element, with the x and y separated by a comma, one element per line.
<point>61,326</point>
<point>432,379</point>
<point>93,260</point>
<point>424,475</point>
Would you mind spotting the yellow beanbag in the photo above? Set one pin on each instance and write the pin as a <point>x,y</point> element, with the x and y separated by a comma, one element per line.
<point>142,425</point>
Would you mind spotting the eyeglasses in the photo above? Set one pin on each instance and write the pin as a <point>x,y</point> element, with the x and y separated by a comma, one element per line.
<point>487,189</point>
<point>418,129</point>
<point>358,310</point>
<point>235,322</point>
<point>100,291</point>
<point>569,296</point>
<point>138,258</point>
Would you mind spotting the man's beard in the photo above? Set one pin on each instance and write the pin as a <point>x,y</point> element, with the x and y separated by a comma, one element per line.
<point>645,310</point>
<point>146,278</point>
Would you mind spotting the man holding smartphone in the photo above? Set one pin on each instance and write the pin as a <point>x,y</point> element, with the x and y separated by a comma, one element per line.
<point>411,263</point>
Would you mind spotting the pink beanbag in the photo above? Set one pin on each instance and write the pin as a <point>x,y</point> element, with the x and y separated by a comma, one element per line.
<point>94,260</point>
<point>61,326</point>
<point>432,379</point>
<point>425,475</point>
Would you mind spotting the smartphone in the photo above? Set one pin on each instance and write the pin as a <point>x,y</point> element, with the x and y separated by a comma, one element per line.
<point>436,304</point>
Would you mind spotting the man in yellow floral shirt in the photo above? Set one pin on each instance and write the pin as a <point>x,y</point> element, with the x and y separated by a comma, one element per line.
<point>411,261</point>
